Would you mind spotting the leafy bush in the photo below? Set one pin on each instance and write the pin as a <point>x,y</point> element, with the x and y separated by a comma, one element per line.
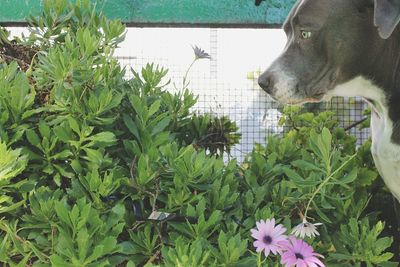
<point>97,170</point>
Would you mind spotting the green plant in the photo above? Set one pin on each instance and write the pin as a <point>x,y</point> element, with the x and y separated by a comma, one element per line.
<point>217,135</point>
<point>98,170</point>
<point>360,244</point>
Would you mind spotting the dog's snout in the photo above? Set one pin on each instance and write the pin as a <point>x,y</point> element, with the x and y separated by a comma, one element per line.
<point>266,82</point>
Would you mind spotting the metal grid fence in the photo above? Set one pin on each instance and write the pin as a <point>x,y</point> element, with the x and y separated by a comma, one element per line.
<point>255,113</point>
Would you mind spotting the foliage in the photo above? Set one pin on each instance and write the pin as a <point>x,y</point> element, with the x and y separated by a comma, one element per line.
<point>97,170</point>
<point>214,134</point>
<point>315,171</point>
<point>360,243</point>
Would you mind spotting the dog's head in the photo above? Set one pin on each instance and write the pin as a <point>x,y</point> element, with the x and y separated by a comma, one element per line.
<point>328,43</point>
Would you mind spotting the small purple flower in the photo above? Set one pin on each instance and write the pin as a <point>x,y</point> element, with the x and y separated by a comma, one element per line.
<point>200,53</point>
<point>297,253</point>
<point>269,237</point>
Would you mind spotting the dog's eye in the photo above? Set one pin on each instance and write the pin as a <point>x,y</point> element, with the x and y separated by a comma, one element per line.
<point>305,34</point>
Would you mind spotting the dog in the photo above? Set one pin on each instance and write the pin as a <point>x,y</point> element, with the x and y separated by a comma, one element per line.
<point>345,48</point>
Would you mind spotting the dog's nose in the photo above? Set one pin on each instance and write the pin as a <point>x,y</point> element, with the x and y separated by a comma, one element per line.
<point>266,83</point>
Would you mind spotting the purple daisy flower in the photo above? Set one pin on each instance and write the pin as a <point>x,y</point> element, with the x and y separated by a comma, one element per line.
<point>298,253</point>
<point>269,237</point>
<point>200,53</point>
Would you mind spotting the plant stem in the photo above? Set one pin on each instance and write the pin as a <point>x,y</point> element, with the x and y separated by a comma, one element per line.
<point>186,74</point>
<point>259,262</point>
<point>325,182</point>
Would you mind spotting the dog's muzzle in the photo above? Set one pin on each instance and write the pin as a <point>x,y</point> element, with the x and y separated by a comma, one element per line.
<point>266,82</point>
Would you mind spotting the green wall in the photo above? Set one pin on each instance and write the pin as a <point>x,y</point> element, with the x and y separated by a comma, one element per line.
<point>225,13</point>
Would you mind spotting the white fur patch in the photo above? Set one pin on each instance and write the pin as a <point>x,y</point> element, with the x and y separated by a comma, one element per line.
<point>385,153</point>
<point>360,86</point>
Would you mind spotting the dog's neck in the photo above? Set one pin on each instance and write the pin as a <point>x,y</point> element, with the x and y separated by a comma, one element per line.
<point>378,81</point>
<point>382,63</point>
<point>385,73</point>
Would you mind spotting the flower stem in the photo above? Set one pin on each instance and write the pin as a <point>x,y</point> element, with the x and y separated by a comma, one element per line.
<point>186,74</point>
<point>259,262</point>
<point>325,182</point>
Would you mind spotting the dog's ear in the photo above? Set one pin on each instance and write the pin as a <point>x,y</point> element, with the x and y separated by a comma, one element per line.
<point>386,16</point>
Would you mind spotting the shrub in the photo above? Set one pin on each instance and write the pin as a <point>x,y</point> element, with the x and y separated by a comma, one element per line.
<point>97,170</point>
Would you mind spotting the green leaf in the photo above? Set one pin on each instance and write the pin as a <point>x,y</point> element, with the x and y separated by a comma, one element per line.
<point>12,162</point>
<point>350,177</point>
<point>62,212</point>
<point>14,206</point>
<point>63,133</point>
<point>366,176</point>
<point>63,154</point>
<point>106,138</point>
<point>94,156</point>
<point>75,164</point>
<point>321,214</point>
<point>44,129</point>
<point>130,264</point>
<point>82,240</point>
<point>57,260</point>
<point>161,126</point>
<point>154,108</point>
<point>33,138</point>
<point>138,106</point>
<point>130,124</point>
<point>305,165</point>
<point>74,125</point>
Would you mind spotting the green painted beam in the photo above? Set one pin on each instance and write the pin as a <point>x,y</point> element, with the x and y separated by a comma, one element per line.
<point>224,13</point>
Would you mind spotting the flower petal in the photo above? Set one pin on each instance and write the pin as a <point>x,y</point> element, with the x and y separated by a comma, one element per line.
<point>266,251</point>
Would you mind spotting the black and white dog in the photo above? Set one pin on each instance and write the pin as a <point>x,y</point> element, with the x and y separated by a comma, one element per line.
<point>345,48</point>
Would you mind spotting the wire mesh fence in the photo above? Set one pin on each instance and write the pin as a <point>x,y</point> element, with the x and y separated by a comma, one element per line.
<point>219,91</point>
<point>255,113</point>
